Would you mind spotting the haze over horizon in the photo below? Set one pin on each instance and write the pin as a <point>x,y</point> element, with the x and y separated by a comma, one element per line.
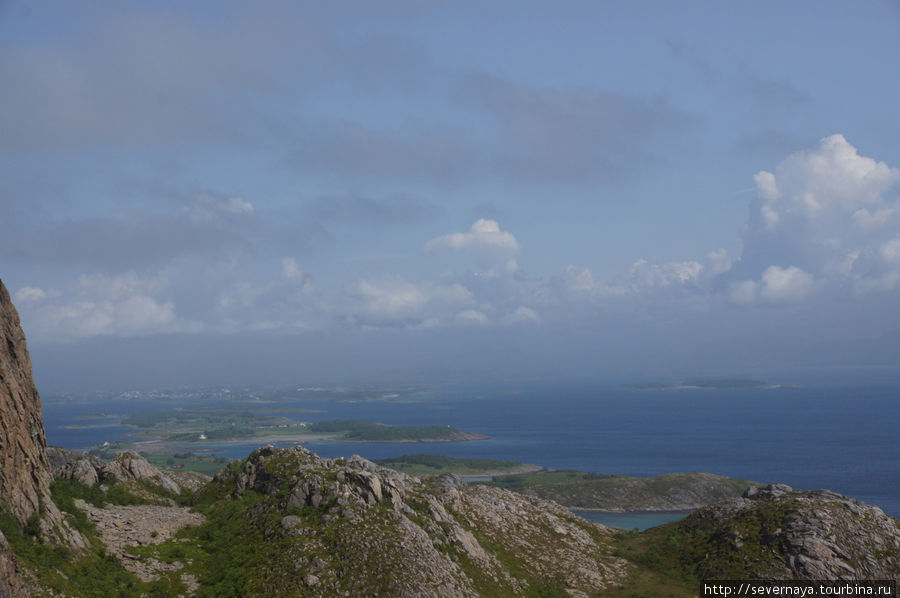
<point>220,193</point>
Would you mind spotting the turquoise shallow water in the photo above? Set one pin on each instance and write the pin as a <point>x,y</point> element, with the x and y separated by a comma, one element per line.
<point>840,438</point>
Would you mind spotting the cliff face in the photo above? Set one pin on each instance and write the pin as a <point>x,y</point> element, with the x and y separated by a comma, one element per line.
<point>24,469</point>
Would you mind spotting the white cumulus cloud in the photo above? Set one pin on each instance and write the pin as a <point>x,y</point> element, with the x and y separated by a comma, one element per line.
<point>483,235</point>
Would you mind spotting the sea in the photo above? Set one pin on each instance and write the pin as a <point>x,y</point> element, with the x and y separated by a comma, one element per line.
<point>839,437</point>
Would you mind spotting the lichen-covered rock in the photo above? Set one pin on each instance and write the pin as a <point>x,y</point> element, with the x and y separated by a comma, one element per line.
<point>779,533</point>
<point>129,465</point>
<point>75,465</point>
<point>350,527</point>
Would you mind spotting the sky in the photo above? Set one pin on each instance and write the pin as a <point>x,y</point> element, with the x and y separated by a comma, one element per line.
<point>400,191</point>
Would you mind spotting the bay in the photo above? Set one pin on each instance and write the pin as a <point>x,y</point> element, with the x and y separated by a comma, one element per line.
<point>840,438</point>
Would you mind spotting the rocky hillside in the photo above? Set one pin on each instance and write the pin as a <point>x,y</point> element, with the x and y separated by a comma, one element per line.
<point>333,527</point>
<point>667,492</point>
<point>778,533</point>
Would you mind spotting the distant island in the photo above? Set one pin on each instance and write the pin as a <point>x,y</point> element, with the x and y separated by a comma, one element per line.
<point>712,384</point>
<point>579,490</point>
<point>419,465</point>
<point>217,424</point>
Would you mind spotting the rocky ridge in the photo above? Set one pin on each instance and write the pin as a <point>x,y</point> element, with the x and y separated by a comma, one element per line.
<point>349,527</point>
<point>128,468</point>
<point>780,533</point>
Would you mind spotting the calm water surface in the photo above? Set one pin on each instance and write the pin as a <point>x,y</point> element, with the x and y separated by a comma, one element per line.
<point>843,439</point>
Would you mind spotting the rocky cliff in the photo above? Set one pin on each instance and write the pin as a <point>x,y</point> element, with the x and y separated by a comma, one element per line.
<point>24,469</point>
<point>25,473</point>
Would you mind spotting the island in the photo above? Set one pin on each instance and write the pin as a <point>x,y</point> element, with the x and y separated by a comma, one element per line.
<point>216,424</point>
<point>713,384</point>
<point>579,490</point>
<point>419,465</point>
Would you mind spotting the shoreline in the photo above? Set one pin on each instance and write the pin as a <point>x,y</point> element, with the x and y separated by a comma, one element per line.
<point>577,510</point>
<point>164,446</point>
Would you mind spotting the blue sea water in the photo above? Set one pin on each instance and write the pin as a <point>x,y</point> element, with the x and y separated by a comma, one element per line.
<point>840,438</point>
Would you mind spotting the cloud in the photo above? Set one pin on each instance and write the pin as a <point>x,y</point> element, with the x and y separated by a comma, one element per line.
<point>740,79</point>
<point>828,211</point>
<point>566,134</point>
<point>522,315</point>
<point>210,207</point>
<point>30,295</point>
<point>99,305</point>
<point>785,284</point>
<point>291,272</point>
<point>483,235</point>
<point>357,208</point>
<point>646,274</point>
<point>395,302</point>
<point>472,316</point>
<point>410,152</point>
<point>207,226</point>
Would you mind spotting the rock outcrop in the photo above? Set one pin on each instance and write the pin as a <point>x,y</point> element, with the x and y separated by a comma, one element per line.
<point>350,527</point>
<point>779,533</point>
<point>127,467</point>
<point>24,469</point>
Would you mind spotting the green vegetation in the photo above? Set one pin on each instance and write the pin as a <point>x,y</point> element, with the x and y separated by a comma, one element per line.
<point>217,423</point>
<point>359,430</point>
<point>92,573</point>
<point>205,464</point>
<point>213,423</point>
<point>65,491</point>
<point>577,489</point>
<point>437,464</point>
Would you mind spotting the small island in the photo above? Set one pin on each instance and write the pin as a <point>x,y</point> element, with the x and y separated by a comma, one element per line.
<point>712,384</point>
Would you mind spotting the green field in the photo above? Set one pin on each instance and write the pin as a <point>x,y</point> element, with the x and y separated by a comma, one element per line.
<point>205,464</point>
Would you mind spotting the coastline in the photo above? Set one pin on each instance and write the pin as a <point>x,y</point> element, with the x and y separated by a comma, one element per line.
<point>577,510</point>
<point>163,446</point>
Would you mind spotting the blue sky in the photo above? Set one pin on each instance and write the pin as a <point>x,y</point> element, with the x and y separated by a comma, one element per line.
<point>355,191</point>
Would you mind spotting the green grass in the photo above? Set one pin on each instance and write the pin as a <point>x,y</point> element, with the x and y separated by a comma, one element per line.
<point>205,464</point>
<point>92,573</point>
<point>64,491</point>
<point>214,422</point>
